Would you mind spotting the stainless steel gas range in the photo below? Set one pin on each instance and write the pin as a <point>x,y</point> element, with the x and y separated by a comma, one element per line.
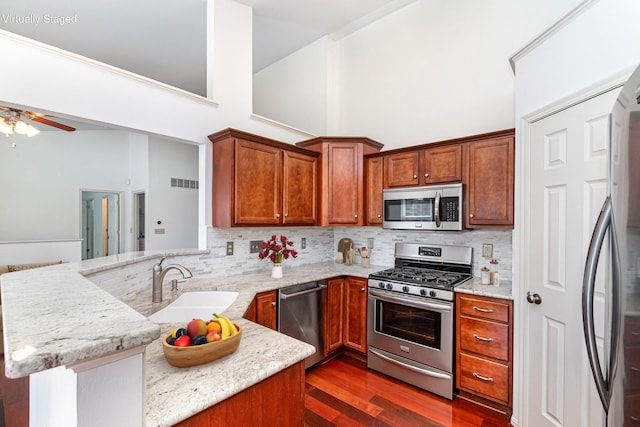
<point>410,320</point>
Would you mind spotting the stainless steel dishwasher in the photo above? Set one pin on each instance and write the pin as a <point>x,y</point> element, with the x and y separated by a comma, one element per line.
<point>300,315</point>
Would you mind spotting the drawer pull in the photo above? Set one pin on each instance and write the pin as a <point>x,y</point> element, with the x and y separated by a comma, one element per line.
<point>478,337</point>
<point>634,418</point>
<point>635,369</point>
<point>635,333</point>
<point>480,377</point>
<point>483,310</point>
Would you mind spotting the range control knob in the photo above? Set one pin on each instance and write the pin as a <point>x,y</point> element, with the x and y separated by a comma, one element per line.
<point>423,292</point>
<point>405,289</point>
<point>381,285</point>
<point>432,294</point>
<point>389,286</point>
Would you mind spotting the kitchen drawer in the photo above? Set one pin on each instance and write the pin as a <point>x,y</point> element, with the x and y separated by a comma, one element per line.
<point>632,410</point>
<point>484,378</point>
<point>632,367</point>
<point>486,308</point>
<point>632,330</point>
<point>484,337</point>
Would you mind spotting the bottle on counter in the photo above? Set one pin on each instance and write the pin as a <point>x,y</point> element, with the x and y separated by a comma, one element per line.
<point>485,276</point>
<point>494,274</point>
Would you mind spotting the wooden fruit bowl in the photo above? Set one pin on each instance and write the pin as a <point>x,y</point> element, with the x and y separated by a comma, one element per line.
<point>183,357</point>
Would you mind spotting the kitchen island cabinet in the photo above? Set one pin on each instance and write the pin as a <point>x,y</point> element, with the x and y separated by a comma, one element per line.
<point>342,177</point>
<point>259,181</point>
<point>355,314</point>
<point>264,309</point>
<point>333,313</point>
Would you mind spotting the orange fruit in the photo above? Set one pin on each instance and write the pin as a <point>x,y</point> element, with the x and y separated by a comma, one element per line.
<point>214,325</point>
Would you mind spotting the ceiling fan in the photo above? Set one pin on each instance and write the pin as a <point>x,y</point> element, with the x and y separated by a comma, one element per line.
<point>13,120</point>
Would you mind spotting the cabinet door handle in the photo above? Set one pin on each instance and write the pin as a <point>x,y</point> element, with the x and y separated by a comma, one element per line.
<point>426,175</point>
<point>480,377</point>
<point>415,176</point>
<point>286,215</point>
<point>277,215</point>
<point>478,337</point>
<point>273,303</point>
<point>379,216</point>
<point>483,310</point>
<point>362,289</point>
<point>355,216</point>
<point>470,215</point>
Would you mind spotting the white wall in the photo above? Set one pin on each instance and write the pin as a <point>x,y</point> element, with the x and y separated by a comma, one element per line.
<point>42,178</point>
<point>176,208</point>
<point>294,89</point>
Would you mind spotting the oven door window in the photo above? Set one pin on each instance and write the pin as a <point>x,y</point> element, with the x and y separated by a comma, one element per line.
<point>420,210</point>
<point>412,324</point>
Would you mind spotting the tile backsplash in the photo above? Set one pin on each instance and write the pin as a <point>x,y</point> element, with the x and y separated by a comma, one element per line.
<point>322,246</point>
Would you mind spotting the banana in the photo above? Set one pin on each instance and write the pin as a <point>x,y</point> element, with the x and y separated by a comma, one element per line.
<point>226,325</point>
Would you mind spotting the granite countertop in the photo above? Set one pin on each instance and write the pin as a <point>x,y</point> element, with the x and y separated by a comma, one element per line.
<point>475,287</point>
<point>91,323</point>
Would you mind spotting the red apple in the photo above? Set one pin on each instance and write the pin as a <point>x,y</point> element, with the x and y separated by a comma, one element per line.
<point>183,341</point>
<point>196,327</point>
<point>213,336</point>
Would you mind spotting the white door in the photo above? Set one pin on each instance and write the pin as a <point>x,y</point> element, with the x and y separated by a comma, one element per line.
<point>568,155</point>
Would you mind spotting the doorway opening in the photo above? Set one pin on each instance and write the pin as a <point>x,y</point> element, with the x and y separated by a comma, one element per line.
<point>100,224</point>
<point>138,221</point>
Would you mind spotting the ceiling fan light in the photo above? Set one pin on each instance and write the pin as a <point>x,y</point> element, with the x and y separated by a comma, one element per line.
<point>32,131</point>
<point>5,128</point>
<point>21,127</point>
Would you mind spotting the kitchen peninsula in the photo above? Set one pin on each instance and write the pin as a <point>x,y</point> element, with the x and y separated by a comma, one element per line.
<point>77,324</point>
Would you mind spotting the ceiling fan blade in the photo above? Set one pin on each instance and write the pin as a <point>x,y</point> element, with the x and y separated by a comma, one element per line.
<point>51,123</point>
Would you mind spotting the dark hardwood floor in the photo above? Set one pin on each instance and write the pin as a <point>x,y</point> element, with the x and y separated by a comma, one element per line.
<point>341,392</point>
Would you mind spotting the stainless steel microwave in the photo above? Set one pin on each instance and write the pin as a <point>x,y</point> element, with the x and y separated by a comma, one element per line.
<point>434,207</point>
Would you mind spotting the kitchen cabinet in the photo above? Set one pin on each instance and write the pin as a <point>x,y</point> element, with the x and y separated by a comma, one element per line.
<point>489,182</point>
<point>374,167</point>
<point>333,313</point>
<point>342,177</point>
<point>259,182</point>
<point>355,314</point>
<point>632,370</point>
<point>436,165</point>
<point>277,400</point>
<point>484,347</point>
<point>263,309</point>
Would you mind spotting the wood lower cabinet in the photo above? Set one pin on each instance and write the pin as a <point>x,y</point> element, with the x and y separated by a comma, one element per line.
<point>355,314</point>
<point>264,309</point>
<point>437,165</point>
<point>484,347</point>
<point>277,400</point>
<point>342,178</point>
<point>373,181</point>
<point>260,182</point>
<point>333,314</point>
<point>489,182</point>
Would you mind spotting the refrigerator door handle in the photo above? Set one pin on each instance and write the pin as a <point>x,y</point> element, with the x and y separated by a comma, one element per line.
<point>605,222</point>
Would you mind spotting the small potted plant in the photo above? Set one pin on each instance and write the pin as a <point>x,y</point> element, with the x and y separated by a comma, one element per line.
<point>277,250</point>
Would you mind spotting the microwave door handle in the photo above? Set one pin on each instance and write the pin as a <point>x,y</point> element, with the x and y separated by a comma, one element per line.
<point>436,210</point>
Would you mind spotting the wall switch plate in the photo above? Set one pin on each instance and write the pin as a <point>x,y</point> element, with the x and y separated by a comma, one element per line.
<point>303,243</point>
<point>254,246</point>
<point>229,248</point>
<point>370,243</point>
<point>487,250</point>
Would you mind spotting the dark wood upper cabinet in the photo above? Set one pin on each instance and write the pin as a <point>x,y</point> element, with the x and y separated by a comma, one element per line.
<point>489,182</point>
<point>437,165</point>
<point>342,178</point>
<point>259,182</point>
<point>374,182</point>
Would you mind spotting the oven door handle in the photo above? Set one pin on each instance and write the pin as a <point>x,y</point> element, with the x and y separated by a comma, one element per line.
<point>410,367</point>
<point>417,304</point>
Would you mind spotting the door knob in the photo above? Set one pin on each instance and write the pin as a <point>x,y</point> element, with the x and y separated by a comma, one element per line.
<point>533,299</point>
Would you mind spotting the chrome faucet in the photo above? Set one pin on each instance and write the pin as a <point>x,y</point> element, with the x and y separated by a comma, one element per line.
<point>158,277</point>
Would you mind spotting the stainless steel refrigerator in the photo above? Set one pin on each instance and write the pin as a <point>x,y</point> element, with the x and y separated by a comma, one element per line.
<point>615,247</point>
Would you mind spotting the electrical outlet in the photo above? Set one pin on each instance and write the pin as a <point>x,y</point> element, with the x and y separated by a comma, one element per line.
<point>370,243</point>
<point>487,250</point>
<point>254,246</point>
<point>303,243</point>
<point>229,248</point>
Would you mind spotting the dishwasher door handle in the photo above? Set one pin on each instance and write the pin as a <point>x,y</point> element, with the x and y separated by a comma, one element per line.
<point>308,291</point>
